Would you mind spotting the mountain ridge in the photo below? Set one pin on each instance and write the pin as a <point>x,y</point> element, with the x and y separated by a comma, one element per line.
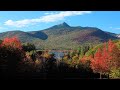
<point>62,36</point>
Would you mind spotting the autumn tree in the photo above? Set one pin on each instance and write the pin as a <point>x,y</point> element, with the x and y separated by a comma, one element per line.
<point>11,53</point>
<point>115,64</point>
<point>13,42</point>
<point>103,59</point>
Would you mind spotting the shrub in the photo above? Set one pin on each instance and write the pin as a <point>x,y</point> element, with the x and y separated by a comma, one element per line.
<point>28,47</point>
<point>115,73</point>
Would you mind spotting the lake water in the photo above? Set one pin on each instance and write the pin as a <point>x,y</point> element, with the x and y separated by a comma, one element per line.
<point>58,54</point>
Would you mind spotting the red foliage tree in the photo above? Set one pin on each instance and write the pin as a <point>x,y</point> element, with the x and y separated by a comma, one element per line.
<point>11,54</point>
<point>115,57</point>
<point>13,42</point>
<point>102,61</point>
<point>111,45</point>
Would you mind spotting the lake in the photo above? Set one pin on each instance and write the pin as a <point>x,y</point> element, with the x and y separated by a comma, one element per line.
<point>58,54</point>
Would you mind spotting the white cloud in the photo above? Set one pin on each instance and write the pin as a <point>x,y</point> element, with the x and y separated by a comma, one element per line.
<point>51,17</point>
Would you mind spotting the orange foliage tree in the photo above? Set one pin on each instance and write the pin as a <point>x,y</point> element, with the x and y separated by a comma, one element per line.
<point>13,42</point>
<point>103,59</point>
<point>11,53</point>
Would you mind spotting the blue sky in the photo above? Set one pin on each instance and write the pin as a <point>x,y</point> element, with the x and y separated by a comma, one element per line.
<point>38,20</point>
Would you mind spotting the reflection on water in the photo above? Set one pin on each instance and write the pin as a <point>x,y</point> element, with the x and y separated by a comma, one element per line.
<point>58,54</point>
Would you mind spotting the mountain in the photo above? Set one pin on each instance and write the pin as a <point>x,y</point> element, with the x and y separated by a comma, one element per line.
<point>62,36</point>
<point>118,35</point>
<point>62,25</point>
<point>23,36</point>
<point>113,34</point>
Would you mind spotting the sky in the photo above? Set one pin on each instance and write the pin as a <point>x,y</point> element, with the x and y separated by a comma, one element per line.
<point>39,20</point>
